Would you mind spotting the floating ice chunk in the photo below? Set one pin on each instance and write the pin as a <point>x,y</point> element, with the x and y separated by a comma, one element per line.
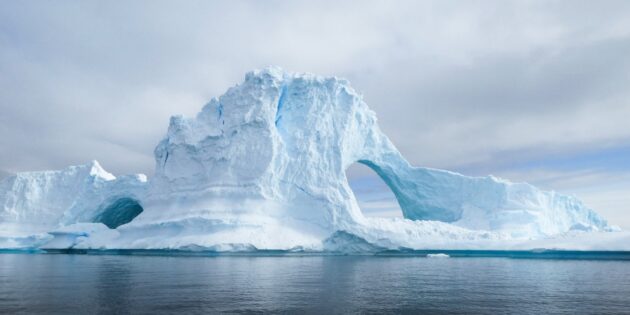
<point>438,255</point>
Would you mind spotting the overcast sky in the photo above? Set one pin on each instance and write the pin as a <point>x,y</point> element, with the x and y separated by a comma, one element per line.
<point>530,91</point>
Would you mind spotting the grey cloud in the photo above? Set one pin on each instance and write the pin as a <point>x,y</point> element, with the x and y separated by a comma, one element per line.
<point>4,174</point>
<point>504,106</point>
<point>455,85</point>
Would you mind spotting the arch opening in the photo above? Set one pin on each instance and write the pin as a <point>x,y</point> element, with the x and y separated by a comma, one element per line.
<point>373,195</point>
<point>120,211</point>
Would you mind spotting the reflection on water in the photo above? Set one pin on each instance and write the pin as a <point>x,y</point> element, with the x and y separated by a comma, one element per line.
<point>77,284</point>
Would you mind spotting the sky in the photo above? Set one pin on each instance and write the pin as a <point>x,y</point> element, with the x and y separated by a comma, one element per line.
<point>534,91</point>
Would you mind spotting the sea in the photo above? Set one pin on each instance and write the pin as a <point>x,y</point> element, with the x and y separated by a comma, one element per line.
<point>276,283</point>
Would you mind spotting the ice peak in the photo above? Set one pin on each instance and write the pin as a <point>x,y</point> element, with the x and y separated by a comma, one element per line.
<point>97,170</point>
<point>274,72</point>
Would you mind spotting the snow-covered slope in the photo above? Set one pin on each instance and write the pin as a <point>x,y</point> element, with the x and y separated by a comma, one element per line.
<point>263,166</point>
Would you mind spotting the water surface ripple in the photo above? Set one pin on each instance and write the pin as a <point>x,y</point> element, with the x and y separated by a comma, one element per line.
<point>107,284</point>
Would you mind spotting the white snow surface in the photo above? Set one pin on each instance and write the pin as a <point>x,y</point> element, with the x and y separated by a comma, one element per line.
<point>263,167</point>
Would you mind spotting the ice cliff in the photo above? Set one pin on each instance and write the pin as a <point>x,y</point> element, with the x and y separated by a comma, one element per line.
<point>263,167</point>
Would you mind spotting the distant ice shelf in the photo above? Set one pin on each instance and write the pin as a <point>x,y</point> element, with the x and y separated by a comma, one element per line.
<point>262,167</point>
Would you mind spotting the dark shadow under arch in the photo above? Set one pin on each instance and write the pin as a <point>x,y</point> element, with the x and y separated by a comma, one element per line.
<point>118,212</point>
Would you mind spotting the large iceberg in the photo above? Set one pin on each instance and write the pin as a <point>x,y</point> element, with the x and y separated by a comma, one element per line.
<point>263,167</point>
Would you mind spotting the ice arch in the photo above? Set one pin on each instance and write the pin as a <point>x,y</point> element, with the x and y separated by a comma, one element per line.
<point>423,194</point>
<point>119,211</point>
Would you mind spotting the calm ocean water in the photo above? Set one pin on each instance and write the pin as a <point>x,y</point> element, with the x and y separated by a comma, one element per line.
<point>106,284</point>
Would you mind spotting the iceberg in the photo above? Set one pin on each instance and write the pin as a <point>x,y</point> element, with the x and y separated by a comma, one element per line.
<point>262,167</point>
